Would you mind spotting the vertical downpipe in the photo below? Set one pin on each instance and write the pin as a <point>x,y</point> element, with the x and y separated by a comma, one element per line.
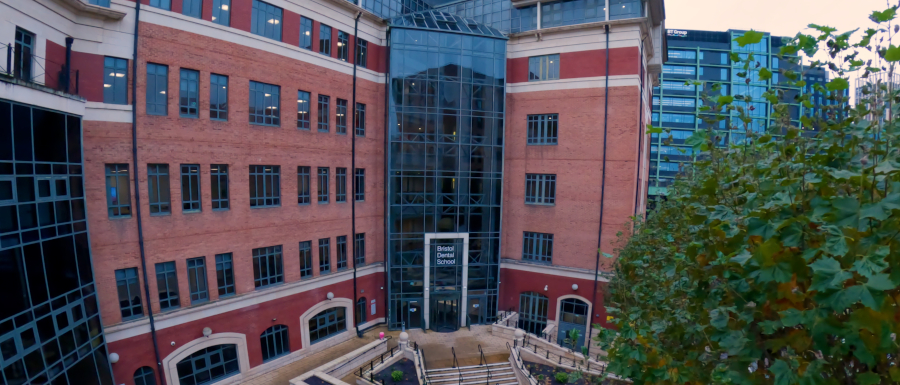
<point>67,75</point>
<point>137,190</point>
<point>353,170</point>
<point>602,193</point>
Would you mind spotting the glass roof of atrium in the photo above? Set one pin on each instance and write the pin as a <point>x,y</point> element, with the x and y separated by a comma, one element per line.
<point>443,21</point>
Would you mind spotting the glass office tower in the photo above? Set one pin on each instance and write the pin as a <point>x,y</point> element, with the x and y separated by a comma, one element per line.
<point>705,56</point>
<point>50,330</point>
<point>445,167</point>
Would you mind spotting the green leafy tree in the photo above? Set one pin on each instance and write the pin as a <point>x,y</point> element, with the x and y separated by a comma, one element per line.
<point>776,259</point>
<point>397,376</point>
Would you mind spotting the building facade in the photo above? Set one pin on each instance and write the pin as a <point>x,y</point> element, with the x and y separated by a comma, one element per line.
<point>150,232</point>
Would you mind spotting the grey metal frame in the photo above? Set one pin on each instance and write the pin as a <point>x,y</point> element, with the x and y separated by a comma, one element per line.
<point>341,251</point>
<point>327,324</point>
<point>115,75</point>
<point>359,120</point>
<point>167,286</point>
<point>324,40</point>
<point>306,262</point>
<point>274,342</point>
<point>340,184</point>
<point>192,8</point>
<point>343,46</point>
<point>544,67</point>
<point>303,185</point>
<point>190,188</point>
<point>207,361</point>
<point>218,97</point>
<point>265,104</point>
<point>303,110</point>
<point>306,28</point>
<point>537,247</point>
<point>543,129</point>
<point>197,283</point>
<point>362,50</point>
<point>162,4</point>
<point>159,189</point>
<point>218,175</point>
<point>225,274</point>
<point>359,250</point>
<point>340,116</point>
<point>359,185</point>
<point>323,111</point>
<point>268,267</point>
<point>157,89</point>
<point>24,55</point>
<point>117,188</point>
<point>128,286</point>
<point>533,309</point>
<point>221,13</point>
<point>266,20</point>
<point>265,186</point>
<point>144,376</point>
<point>324,256</point>
<point>322,185</point>
<point>540,189</point>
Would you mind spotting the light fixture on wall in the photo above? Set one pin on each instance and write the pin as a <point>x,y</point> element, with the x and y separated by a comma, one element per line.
<point>330,296</point>
<point>113,357</point>
<point>546,287</point>
<point>574,286</point>
<point>206,332</point>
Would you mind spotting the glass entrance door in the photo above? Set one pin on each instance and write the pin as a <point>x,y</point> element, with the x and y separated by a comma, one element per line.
<point>410,314</point>
<point>475,311</point>
<point>445,312</point>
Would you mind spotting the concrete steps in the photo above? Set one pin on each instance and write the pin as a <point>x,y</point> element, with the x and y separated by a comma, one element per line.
<point>490,374</point>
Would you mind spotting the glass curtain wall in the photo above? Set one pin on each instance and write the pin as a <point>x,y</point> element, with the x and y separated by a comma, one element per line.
<point>705,56</point>
<point>445,156</point>
<point>501,15</point>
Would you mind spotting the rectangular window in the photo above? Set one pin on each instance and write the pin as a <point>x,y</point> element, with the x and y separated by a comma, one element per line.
<point>324,101</point>
<point>128,288</point>
<point>343,45</point>
<point>359,121</point>
<point>218,97</point>
<point>543,67</point>
<point>162,4</point>
<point>341,252</point>
<point>218,174</point>
<point>221,13</point>
<point>540,189</point>
<point>324,40</point>
<point>190,188</point>
<point>115,80</point>
<point>265,186</point>
<point>340,181</point>
<point>362,48</point>
<point>306,26</point>
<point>24,55</point>
<point>679,70</point>
<point>189,93</point>
<point>542,129</point>
<point>359,250</point>
<point>167,285</point>
<point>680,54</point>
<point>157,89</point>
<point>537,247</point>
<point>323,185</point>
<point>265,20</point>
<point>340,117</point>
<point>303,196</point>
<point>359,185</point>
<point>197,280</point>
<point>306,263</point>
<point>118,190</point>
<point>265,106</point>
<point>267,267</point>
<point>303,110</point>
<point>158,186</point>
<point>192,8</point>
<point>225,274</point>
<point>324,256</point>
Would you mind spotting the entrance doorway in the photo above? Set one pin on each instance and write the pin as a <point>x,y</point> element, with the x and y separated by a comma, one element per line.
<point>445,313</point>
<point>410,314</point>
<point>572,316</point>
<point>475,311</point>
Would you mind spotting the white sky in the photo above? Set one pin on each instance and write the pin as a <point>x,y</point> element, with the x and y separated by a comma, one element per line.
<point>778,17</point>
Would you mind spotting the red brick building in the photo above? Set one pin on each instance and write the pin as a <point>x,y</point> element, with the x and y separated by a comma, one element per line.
<point>237,241</point>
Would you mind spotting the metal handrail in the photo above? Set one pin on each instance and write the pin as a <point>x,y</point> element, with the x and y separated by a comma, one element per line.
<point>385,340</point>
<point>371,364</point>
<point>560,359</point>
<point>12,71</point>
<point>483,361</point>
<point>455,362</point>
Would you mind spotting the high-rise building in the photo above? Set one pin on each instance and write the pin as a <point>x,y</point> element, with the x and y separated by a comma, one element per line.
<point>448,161</point>
<point>705,56</point>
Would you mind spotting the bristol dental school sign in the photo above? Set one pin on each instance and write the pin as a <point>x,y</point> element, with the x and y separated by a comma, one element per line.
<point>446,255</point>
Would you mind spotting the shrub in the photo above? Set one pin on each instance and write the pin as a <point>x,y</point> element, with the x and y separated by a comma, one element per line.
<point>396,375</point>
<point>562,377</point>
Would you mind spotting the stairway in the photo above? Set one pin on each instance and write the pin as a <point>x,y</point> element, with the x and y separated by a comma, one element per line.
<point>500,374</point>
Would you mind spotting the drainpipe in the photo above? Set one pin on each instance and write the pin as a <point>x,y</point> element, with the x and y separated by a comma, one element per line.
<point>602,193</point>
<point>353,168</point>
<point>137,190</point>
<point>68,70</point>
<point>642,81</point>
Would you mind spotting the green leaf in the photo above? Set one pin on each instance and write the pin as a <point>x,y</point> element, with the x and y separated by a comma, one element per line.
<point>826,265</point>
<point>880,282</point>
<point>765,74</point>
<point>749,37</point>
<point>791,317</point>
<point>838,84</point>
<point>874,211</point>
<point>725,99</point>
<point>892,53</point>
<point>654,130</point>
<point>742,257</point>
<point>784,375</point>
<point>835,243</point>
<point>871,264</point>
<point>868,378</point>
<point>883,16</point>
<point>718,318</point>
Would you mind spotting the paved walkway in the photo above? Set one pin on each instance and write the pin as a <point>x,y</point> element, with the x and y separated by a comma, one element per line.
<point>435,345</point>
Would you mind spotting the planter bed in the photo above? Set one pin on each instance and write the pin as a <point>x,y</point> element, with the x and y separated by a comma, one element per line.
<point>408,367</point>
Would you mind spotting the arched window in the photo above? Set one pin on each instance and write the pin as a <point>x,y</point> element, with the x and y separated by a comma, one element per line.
<point>327,323</point>
<point>533,312</point>
<point>144,376</point>
<point>209,365</point>
<point>274,342</point>
<point>573,314</point>
<point>360,311</point>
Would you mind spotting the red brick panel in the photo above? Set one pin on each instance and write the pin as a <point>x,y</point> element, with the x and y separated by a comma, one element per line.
<point>583,64</point>
<point>241,12</point>
<point>290,28</point>
<point>177,6</point>
<point>516,282</point>
<point>90,75</point>
<point>206,10</point>
<point>54,64</point>
<point>378,57</point>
